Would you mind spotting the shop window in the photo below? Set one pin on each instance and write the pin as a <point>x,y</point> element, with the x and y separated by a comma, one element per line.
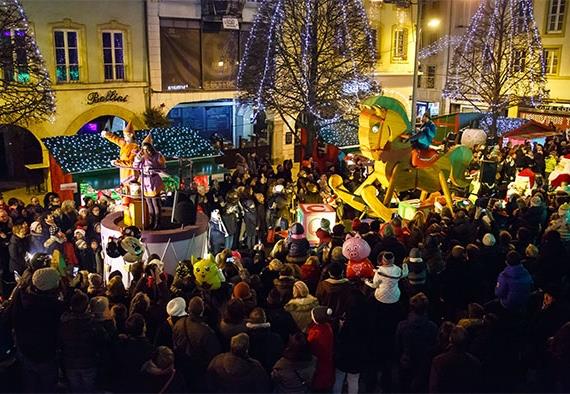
<point>551,60</point>
<point>14,61</point>
<point>113,55</point>
<point>430,79</point>
<point>400,44</point>
<point>556,15</point>
<point>66,55</point>
<point>220,59</point>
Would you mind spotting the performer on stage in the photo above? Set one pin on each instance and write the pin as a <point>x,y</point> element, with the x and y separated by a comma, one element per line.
<point>128,150</point>
<point>150,162</point>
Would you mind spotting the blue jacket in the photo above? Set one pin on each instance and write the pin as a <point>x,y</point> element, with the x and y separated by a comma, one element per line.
<point>513,287</point>
<point>425,135</point>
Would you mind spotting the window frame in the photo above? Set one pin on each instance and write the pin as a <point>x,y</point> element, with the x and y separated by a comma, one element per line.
<point>558,51</point>
<point>403,58</point>
<point>66,49</point>
<point>114,63</point>
<point>430,78</point>
<point>549,15</point>
<point>16,67</point>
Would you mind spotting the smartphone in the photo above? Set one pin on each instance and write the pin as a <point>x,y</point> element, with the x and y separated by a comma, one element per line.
<point>17,276</point>
<point>75,271</point>
<point>230,259</point>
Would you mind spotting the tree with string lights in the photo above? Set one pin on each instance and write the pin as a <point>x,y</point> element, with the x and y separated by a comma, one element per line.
<point>499,61</point>
<point>311,58</point>
<point>25,87</point>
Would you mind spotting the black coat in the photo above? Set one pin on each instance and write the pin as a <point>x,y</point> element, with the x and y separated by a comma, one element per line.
<point>455,372</point>
<point>129,355</point>
<point>264,345</point>
<point>282,323</point>
<point>18,248</point>
<point>81,340</point>
<point>229,373</point>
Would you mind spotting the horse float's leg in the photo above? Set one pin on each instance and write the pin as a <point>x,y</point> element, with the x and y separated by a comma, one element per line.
<point>445,189</point>
<point>391,185</point>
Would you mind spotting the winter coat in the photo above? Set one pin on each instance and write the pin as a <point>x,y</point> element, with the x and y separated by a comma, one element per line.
<point>129,355</point>
<point>80,338</point>
<point>196,343</point>
<point>298,249</point>
<point>310,274</point>
<point>293,376</point>
<point>385,282</point>
<point>455,372</point>
<point>264,345</point>
<point>217,236</point>
<point>321,342</point>
<point>229,373</point>
<point>17,249</point>
<point>300,309</point>
<point>388,244</point>
<point>281,321</point>
<point>158,380</point>
<point>336,294</point>
<point>228,330</point>
<point>416,340</point>
<point>36,323</point>
<point>513,287</point>
<point>352,347</point>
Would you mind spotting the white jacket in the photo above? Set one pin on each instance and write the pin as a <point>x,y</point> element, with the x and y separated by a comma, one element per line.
<point>385,282</point>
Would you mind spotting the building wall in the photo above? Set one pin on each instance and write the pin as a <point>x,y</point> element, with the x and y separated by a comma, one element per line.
<point>89,17</point>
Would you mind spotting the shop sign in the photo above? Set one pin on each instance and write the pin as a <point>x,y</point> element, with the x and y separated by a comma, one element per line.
<point>230,23</point>
<point>69,186</point>
<point>110,96</point>
<point>553,107</point>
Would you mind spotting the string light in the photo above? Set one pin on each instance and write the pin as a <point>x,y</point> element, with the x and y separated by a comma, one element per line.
<point>440,45</point>
<point>91,152</point>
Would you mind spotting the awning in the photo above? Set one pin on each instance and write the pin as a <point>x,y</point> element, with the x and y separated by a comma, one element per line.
<point>531,130</point>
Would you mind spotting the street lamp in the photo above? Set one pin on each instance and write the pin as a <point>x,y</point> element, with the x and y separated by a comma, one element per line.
<point>434,23</point>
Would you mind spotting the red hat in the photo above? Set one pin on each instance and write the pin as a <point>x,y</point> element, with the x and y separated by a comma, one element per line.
<point>241,290</point>
<point>355,223</point>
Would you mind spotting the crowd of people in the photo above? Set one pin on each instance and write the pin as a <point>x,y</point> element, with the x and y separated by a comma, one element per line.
<point>474,299</point>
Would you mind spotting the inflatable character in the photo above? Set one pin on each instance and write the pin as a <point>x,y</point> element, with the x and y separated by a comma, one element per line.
<point>383,120</point>
<point>207,274</point>
<point>357,250</point>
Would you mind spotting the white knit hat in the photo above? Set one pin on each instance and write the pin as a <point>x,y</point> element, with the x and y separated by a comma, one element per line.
<point>176,307</point>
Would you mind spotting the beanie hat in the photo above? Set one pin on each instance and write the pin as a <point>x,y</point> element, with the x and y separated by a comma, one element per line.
<point>257,316</point>
<point>386,258</point>
<point>297,231</point>
<point>275,265</point>
<point>98,306</point>
<point>457,251</point>
<point>415,256</point>
<point>300,289</point>
<point>241,290</point>
<point>176,307</point>
<point>36,227</point>
<point>79,231</point>
<point>81,244</point>
<point>338,230</point>
<point>321,314</point>
<point>196,306</point>
<point>489,239</point>
<point>513,258</point>
<point>326,225</point>
<point>46,279</point>
<point>335,270</point>
<point>355,223</point>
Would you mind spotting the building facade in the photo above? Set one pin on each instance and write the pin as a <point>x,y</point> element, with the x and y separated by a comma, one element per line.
<point>455,15</point>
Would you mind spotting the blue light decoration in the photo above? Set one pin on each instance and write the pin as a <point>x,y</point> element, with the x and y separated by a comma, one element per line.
<point>504,124</point>
<point>91,152</point>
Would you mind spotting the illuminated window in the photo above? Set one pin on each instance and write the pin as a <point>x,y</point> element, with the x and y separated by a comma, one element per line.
<point>66,55</point>
<point>400,44</point>
<point>556,14</point>
<point>113,55</point>
<point>13,59</point>
<point>551,60</point>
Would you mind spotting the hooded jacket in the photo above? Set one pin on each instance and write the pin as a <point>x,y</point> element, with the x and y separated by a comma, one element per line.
<point>230,373</point>
<point>300,309</point>
<point>293,376</point>
<point>514,286</point>
<point>385,282</point>
<point>158,380</point>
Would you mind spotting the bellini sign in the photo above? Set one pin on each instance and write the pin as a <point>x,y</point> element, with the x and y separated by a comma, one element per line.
<point>110,96</point>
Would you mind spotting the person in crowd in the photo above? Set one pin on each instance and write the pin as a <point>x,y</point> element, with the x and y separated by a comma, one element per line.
<point>321,341</point>
<point>294,371</point>
<point>301,305</point>
<point>264,345</point>
<point>236,372</point>
<point>514,284</point>
<point>159,374</point>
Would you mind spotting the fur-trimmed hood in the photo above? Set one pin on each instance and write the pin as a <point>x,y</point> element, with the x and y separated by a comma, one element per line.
<point>301,304</point>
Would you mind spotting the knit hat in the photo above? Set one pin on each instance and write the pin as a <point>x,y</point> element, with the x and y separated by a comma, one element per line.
<point>300,289</point>
<point>99,306</point>
<point>196,306</point>
<point>275,265</point>
<point>297,231</point>
<point>176,307</point>
<point>489,239</point>
<point>355,223</point>
<point>326,225</point>
<point>95,280</point>
<point>386,258</point>
<point>46,279</point>
<point>321,314</point>
<point>338,230</point>
<point>36,227</point>
<point>79,231</point>
<point>415,256</point>
<point>257,316</point>
<point>241,290</point>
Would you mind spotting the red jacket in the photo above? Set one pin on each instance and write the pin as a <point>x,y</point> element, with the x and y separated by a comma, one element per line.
<point>321,339</point>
